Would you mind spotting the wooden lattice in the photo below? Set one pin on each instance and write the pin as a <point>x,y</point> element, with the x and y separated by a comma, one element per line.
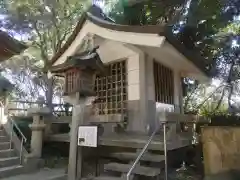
<point>71,80</point>
<point>111,90</point>
<point>164,87</point>
<point>79,81</point>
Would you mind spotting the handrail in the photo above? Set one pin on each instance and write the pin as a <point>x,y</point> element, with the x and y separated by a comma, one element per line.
<point>146,147</point>
<point>23,138</point>
<point>167,120</point>
<point>16,126</point>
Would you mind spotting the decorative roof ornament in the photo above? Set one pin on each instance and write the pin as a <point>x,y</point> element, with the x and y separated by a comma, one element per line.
<point>87,59</point>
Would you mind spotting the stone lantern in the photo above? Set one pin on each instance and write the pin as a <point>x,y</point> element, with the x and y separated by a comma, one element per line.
<point>80,73</point>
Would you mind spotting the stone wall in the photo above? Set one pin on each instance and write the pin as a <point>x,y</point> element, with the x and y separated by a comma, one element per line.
<point>221,152</point>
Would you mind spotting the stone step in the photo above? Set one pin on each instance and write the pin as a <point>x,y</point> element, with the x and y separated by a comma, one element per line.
<point>108,178</point>
<point>11,171</point>
<point>132,142</point>
<point>4,139</point>
<point>11,161</point>
<point>4,145</point>
<point>7,153</point>
<point>140,170</point>
<point>57,177</point>
<point>132,156</point>
<point>2,133</point>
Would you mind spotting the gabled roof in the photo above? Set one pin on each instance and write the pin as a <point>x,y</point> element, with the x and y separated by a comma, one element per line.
<point>87,59</point>
<point>95,16</point>
<point>9,46</point>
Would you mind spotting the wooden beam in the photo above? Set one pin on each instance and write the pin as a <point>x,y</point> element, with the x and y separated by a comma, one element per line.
<point>172,117</point>
<point>61,119</point>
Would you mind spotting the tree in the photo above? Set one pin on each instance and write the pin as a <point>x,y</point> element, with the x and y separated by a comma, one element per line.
<point>46,24</point>
<point>229,55</point>
<point>25,72</point>
<point>218,39</point>
<point>200,26</point>
<point>194,23</point>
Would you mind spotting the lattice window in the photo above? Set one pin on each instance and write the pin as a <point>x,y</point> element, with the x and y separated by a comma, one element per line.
<point>112,90</point>
<point>77,80</point>
<point>72,78</point>
<point>164,87</point>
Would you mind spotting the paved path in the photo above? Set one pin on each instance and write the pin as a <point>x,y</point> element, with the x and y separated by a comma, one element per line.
<point>43,174</point>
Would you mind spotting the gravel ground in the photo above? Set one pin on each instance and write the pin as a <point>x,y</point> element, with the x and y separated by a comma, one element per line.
<point>184,175</point>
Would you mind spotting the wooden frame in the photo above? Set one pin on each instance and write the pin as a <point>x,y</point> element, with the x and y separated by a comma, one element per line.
<point>111,89</point>
<point>164,83</point>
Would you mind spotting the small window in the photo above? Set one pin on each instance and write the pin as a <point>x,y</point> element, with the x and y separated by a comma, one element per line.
<point>164,88</point>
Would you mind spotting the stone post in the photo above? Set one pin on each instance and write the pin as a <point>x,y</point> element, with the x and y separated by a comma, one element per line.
<point>75,154</point>
<point>37,128</point>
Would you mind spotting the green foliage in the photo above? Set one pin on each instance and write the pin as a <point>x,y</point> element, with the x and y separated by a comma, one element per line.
<point>204,26</point>
<point>224,48</point>
<point>45,25</point>
<point>209,109</point>
<point>195,22</point>
<point>142,12</point>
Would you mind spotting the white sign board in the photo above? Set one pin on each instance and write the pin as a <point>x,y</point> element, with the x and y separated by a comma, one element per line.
<point>87,136</point>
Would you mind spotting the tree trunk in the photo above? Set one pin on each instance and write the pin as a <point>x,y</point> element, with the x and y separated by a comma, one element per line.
<point>192,20</point>
<point>49,93</point>
<point>220,101</point>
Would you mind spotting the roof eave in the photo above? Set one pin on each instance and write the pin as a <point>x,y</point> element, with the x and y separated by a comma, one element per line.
<point>161,30</point>
<point>191,55</point>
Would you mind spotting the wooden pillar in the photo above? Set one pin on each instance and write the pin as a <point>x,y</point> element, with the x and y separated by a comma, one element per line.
<point>75,158</point>
<point>178,96</point>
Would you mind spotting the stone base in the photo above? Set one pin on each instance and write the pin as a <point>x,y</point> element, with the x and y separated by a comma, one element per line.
<point>142,119</point>
<point>33,164</point>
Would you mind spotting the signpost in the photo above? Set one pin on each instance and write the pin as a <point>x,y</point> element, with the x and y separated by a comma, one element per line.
<point>87,136</point>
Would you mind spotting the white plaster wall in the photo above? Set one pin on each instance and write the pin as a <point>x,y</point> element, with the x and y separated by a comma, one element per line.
<point>150,78</point>
<point>110,51</point>
<point>170,57</point>
<point>133,71</point>
<point>178,96</point>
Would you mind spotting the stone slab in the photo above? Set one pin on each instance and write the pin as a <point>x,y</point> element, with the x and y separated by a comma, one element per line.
<point>44,174</point>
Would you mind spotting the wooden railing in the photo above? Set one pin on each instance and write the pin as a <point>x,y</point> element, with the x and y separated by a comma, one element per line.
<point>20,108</point>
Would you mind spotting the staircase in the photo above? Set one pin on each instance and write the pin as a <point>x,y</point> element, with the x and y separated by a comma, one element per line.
<point>9,158</point>
<point>135,165</point>
<point>149,166</point>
